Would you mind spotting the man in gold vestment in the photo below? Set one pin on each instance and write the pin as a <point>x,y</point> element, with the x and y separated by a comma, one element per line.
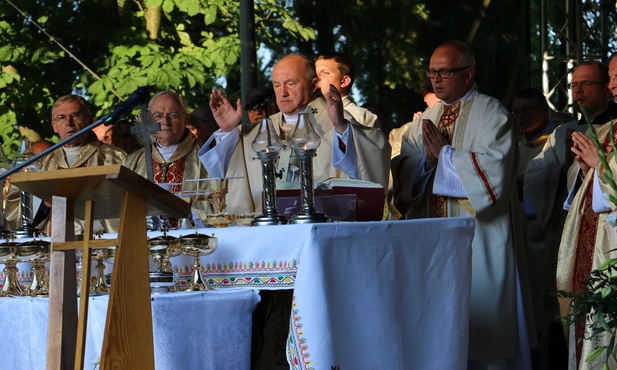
<point>174,152</point>
<point>348,149</point>
<point>586,243</point>
<point>69,114</point>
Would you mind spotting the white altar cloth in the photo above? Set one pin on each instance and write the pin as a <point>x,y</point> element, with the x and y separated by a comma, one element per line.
<point>192,330</point>
<point>383,295</point>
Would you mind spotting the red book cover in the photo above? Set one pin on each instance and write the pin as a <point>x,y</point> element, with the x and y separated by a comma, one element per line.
<point>340,199</point>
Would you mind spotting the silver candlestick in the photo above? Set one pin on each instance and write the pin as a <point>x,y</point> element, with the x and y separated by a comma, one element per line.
<point>267,144</point>
<point>26,230</point>
<point>304,142</point>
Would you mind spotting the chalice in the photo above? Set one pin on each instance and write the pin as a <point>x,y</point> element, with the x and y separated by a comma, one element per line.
<point>197,245</point>
<point>162,248</point>
<point>37,252</point>
<point>218,200</point>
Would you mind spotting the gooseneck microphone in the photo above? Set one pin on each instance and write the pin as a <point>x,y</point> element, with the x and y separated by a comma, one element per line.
<point>137,98</point>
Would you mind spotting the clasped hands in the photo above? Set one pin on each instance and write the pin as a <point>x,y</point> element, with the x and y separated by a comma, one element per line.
<point>585,152</point>
<point>433,141</point>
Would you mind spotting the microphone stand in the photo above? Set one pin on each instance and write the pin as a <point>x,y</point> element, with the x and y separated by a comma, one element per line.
<point>59,144</point>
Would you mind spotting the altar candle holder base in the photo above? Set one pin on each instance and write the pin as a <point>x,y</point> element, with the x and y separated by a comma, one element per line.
<point>26,231</point>
<point>309,218</point>
<point>11,285</point>
<point>161,282</point>
<point>267,219</point>
<point>308,214</point>
<point>270,216</point>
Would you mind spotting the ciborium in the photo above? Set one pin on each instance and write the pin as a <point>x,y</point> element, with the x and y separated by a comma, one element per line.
<point>37,252</point>
<point>8,256</point>
<point>161,249</point>
<point>267,144</point>
<point>304,141</point>
<point>197,245</point>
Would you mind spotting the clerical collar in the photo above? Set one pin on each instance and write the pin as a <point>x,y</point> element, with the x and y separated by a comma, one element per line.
<point>291,119</point>
<point>471,94</point>
<point>71,153</point>
<point>166,151</point>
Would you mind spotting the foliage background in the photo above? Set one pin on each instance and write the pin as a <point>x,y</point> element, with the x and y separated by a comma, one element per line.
<point>191,46</point>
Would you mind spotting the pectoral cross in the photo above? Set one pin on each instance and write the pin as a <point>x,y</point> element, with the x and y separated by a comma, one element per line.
<point>143,131</point>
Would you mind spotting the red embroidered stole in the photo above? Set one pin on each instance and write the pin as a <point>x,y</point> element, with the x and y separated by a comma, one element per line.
<point>585,248</point>
<point>438,203</point>
<point>170,172</point>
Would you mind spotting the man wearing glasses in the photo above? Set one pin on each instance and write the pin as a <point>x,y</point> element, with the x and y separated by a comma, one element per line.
<point>174,152</point>
<point>459,160</point>
<point>69,114</point>
<point>546,179</point>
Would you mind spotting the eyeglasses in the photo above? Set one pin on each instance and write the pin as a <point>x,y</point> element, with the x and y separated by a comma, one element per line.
<point>525,110</point>
<point>77,117</point>
<point>444,73</point>
<point>584,84</point>
<point>172,116</point>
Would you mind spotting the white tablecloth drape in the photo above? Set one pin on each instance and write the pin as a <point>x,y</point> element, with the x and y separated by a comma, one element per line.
<point>192,330</point>
<point>383,295</point>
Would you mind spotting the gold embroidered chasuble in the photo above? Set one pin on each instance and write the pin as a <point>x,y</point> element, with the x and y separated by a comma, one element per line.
<point>183,165</point>
<point>485,162</point>
<point>92,153</point>
<point>585,245</point>
<point>372,153</point>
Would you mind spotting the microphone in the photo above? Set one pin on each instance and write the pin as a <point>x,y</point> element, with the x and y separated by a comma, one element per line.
<point>137,98</point>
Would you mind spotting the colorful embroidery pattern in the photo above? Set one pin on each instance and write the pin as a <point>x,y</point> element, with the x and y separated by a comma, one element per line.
<point>281,274</point>
<point>297,349</point>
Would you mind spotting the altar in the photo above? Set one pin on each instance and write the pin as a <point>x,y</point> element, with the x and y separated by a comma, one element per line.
<point>367,295</point>
<point>192,330</point>
<point>388,294</point>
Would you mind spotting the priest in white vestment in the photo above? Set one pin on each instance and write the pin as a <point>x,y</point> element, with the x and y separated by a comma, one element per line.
<point>460,160</point>
<point>347,150</point>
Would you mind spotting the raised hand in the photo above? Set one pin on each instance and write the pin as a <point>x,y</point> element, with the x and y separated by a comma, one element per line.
<point>335,109</point>
<point>226,116</point>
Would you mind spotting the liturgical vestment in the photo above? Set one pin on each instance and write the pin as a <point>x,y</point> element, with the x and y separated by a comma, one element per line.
<point>91,153</point>
<point>484,159</point>
<point>182,165</point>
<point>368,144</point>
<point>599,235</point>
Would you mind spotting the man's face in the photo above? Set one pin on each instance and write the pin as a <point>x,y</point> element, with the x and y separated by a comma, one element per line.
<point>108,134</point>
<point>591,93</point>
<point>329,74</point>
<point>256,114</point>
<point>450,89</point>
<point>612,74</point>
<point>293,91</point>
<point>530,115</point>
<point>169,113</point>
<point>67,119</point>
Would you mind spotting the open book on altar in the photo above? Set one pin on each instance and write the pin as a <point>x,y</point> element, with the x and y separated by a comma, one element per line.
<point>340,199</point>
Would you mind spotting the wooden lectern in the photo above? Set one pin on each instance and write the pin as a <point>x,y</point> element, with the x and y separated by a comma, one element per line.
<point>91,193</point>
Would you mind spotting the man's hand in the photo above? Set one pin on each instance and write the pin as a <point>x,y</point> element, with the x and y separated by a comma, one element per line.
<point>335,109</point>
<point>585,152</point>
<point>226,116</point>
<point>433,142</point>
